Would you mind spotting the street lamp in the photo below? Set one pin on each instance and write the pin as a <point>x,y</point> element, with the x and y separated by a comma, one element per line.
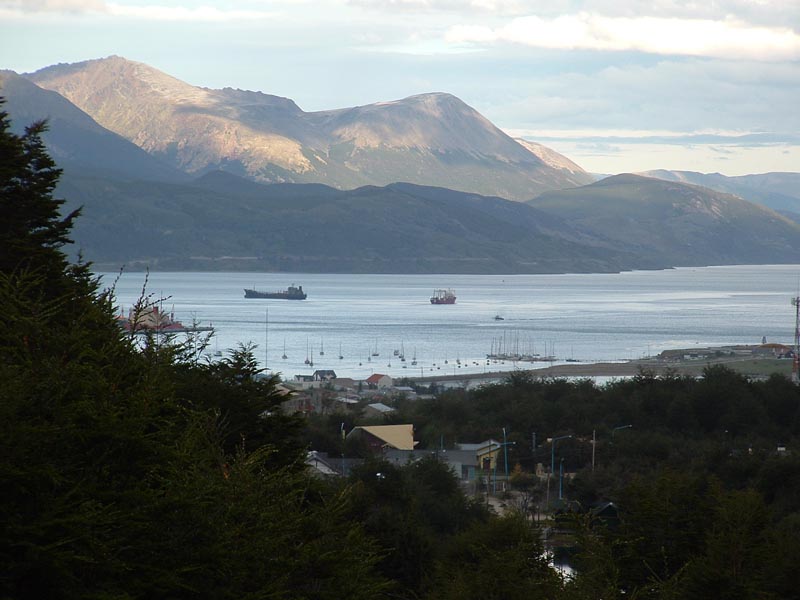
<point>505,453</point>
<point>553,462</point>
<point>553,451</point>
<point>505,446</point>
<point>613,431</point>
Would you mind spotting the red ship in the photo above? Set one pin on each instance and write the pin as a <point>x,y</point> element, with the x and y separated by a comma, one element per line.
<point>443,297</point>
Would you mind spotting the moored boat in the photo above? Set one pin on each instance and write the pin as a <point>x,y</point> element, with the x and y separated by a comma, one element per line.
<point>152,319</point>
<point>443,296</point>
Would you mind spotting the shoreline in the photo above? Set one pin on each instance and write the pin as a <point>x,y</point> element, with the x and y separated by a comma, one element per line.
<point>751,366</point>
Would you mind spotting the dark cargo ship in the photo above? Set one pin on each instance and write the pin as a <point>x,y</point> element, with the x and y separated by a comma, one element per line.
<point>292,293</point>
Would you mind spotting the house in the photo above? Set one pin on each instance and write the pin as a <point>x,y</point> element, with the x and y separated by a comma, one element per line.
<point>405,391</point>
<point>486,454</point>
<point>320,463</point>
<point>377,410</point>
<point>776,350</point>
<point>345,383</point>
<point>380,381</point>
<point>606,513</point>
<point>402,458</point>
<point>302,403</point>
<point>324,375</point>
<point>464,463</point>
<point>382,437</point>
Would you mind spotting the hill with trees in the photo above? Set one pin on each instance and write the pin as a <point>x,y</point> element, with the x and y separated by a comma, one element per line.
<point>682,224</point>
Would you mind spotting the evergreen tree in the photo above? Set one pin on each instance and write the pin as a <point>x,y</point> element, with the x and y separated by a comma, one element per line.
<point>117,478</point>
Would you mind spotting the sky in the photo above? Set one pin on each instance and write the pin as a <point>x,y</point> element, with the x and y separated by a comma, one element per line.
<point>615,85</point>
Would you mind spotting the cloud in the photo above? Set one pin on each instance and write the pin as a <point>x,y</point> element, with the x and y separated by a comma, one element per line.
<point>455,6</point>
<point>680,96</point>
<point>183,13</point>
<point>718,140</point>
<point>729,38</point>
<point>781,13</point>
<point>150,12</point>
<point>58,6</point>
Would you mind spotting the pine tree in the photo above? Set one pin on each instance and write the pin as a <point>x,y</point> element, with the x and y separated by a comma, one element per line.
<point>32,230</point>
<point>115,479</point>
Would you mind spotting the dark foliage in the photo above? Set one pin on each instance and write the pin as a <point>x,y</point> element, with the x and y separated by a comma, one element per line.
<point>133,472</point>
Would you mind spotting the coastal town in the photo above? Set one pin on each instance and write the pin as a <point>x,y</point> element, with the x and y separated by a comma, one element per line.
<point>324,393</point>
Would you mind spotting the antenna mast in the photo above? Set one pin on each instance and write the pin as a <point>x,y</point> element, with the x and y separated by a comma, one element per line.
<point>796,358</point>
<point>266,340</point>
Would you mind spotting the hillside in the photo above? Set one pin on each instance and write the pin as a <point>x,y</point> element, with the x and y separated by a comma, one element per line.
<point>224,222</point>
<point>74,139</point>
<point>678,223</point>
<point>778,191</point>
<point>429,139</point>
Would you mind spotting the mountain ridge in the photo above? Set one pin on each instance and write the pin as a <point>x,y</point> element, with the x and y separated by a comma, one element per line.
<point>76,140</point>
<point>402,228</point>
<point>429,139</point>
<point>777,190</point>
<point>685,224</point>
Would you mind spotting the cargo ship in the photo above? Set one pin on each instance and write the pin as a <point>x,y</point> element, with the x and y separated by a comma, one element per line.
<point>292,293</point>
<point>443,297</point>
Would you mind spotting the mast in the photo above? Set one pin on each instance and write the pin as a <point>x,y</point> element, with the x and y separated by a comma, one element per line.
<point>796,358</point>
<point>266,339</point>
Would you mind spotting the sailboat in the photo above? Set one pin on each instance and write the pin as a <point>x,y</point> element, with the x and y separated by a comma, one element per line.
<point>308,360</point>
<point>414,358</point>
<point>284,357</point>
<point>375,352</point>
<point>321,347</point>
<point>340,351</point>
<point>402,352</point>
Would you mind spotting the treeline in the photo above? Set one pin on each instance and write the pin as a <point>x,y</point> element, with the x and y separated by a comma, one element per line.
<point>722,424</point>
<point>704,473</point>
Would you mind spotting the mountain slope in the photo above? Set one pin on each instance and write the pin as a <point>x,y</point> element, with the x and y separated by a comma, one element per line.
<point>778,191</point>
<point>74,139</point>
<point>431,139</point>
<point>678,223</point>
<point>223,222</point>
<point>570,171</point>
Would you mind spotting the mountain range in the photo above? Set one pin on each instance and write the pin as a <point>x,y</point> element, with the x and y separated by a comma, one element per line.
<point>778,191</point>
<point>428,139</point>
<point>190,178</point>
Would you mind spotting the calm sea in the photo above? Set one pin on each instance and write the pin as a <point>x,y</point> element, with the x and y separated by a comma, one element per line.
<point>586,317</point>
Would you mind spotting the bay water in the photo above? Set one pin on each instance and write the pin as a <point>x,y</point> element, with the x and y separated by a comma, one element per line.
<point>585,317</point>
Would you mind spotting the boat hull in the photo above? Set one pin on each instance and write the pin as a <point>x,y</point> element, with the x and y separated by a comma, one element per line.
<point>287,295</point>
